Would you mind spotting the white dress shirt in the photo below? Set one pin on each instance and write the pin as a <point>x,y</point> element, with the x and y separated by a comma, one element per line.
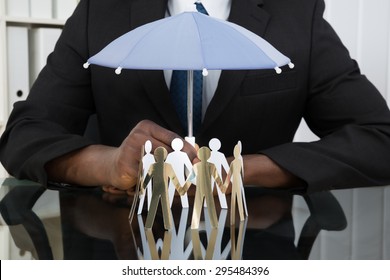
<point>215,8</point>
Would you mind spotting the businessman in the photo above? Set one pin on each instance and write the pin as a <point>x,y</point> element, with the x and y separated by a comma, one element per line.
<point>45,136</point>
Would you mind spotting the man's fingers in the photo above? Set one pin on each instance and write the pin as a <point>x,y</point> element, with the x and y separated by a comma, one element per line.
<point>160,137</point>
<point>113,190</point>
<point>190,150</point>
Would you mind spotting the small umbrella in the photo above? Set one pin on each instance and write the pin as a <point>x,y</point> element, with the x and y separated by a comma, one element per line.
<point>190,41</point>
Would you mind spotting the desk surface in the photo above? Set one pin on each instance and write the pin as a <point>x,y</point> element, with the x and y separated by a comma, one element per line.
<point>85,223</point>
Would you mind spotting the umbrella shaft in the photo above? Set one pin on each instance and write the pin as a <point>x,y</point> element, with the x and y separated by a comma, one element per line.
<point>190,101</point>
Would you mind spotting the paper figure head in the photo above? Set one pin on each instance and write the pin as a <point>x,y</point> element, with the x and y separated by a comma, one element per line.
<point>148,146</point>
<point>177,144</point>
<point>237,150</point>
<point>215,144</point>
<point>204,153</point>
<point>160,154</point>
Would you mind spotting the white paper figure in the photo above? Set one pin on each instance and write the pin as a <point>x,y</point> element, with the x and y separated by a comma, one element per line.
<point>219,160</point>
<point>180,162</point>
<point>147,161</point>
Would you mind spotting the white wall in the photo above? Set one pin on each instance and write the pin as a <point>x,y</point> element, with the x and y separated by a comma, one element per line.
<point>364,27</point>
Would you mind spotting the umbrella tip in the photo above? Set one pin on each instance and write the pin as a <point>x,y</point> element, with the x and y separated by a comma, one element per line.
<point>86,65</point>
<point>205,72</point>
<point>291,65</point>
<point>278,70</point>
<point>118,70</point>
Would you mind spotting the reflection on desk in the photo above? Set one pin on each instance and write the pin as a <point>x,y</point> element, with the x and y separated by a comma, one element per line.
<point>85,223</point>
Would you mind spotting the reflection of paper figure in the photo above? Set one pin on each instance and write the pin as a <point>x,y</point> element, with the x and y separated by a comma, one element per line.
<point>237,245</point>
<point>145,253</point>
<point>219,254</point>
<point>147,161</point>
<point>236,172</point>
<point>179,161</point>
<point>160,172</point>
<point>181,250</point>
<point>165,246</point>
<point>204,171</point>
<point>219,160</point>
<point>197,245</point>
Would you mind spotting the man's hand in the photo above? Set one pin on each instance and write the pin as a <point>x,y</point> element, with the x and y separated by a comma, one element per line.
<point>115,168</point>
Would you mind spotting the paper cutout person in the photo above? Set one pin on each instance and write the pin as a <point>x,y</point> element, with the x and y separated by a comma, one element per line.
<point>236,172</point>
<point>180,162</point>
<point>204,171</point>
<point>161,172</point>
<point>140,176</point>
<point>147,161</point>
<point>219,160</point>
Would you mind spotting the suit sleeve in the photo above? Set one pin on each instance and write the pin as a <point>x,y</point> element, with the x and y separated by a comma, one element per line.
<point>52,120</point>
<point>348,114</point>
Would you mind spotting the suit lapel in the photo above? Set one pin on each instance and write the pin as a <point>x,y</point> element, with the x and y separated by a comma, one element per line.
<point>248,14</point>
<point>142,12</point>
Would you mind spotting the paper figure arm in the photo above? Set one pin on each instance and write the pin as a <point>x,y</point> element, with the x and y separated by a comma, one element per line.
<point>242,167</point>
<point>145,182</point>
<point>228,177</point>
<point>175,181</point>
<point>188,183</point>
<point>187,164</point>
<point>218,179</point>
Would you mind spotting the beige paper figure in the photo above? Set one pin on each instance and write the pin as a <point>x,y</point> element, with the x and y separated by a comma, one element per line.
<point>180,163</point>
<point>147,161</point>
<point>219,160</point>
<point>160,172</point>
<point>140,177</point>
<point>204,171</point>
<point>237,196</point>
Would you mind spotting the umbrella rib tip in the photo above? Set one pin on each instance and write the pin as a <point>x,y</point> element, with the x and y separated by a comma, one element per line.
<point>118,70</point>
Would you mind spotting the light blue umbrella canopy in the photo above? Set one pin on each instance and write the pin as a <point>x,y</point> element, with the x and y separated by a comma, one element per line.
<point>190,41</point>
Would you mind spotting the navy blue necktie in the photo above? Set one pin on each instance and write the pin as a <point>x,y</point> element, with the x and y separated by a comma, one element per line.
<point>178,90</point>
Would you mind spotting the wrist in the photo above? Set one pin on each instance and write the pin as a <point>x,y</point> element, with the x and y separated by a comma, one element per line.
<point>260,170</point>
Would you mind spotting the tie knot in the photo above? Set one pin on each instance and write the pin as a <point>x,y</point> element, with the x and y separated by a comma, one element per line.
<point>200,8</point>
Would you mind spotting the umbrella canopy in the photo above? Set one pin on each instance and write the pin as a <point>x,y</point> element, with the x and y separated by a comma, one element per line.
<point>190,41</point>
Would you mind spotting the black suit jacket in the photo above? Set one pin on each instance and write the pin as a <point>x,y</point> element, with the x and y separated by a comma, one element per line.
<point>260,108</point>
